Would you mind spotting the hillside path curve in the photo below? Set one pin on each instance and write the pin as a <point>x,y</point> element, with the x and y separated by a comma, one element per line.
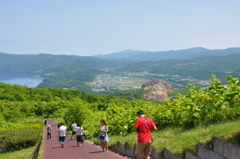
<point>52,148</point>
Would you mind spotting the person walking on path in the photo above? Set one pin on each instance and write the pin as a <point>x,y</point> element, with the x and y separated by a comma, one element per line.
<point>62,134</point>
<point>49,132</point>
<point>74,125</point>
<point>52,150</point>
<point>103,136</point>
<point>79,135</point>
<point>143,126</point>
<point>45,121</point>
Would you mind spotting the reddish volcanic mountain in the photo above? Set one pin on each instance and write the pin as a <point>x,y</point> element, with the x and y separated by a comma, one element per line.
<point>158,90</point>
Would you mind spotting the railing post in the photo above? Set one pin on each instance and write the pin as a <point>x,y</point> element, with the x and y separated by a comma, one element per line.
<point>36,150</point>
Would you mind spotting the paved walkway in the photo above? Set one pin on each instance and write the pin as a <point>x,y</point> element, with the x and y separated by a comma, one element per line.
<point>52,148</point>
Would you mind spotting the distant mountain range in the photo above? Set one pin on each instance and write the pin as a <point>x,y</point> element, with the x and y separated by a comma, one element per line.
<point>129,55</point>
<point>136,56</point>
<point>115,71</point>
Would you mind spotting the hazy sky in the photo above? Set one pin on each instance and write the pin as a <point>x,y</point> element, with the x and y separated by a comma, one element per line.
<point>90,27</point>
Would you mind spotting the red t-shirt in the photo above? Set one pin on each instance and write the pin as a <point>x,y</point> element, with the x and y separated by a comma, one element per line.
<point>145,125</point>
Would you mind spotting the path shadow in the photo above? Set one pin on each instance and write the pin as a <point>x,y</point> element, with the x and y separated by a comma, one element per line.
<point>96,152</point>
<point>75,146</point>
<point>58,147</point>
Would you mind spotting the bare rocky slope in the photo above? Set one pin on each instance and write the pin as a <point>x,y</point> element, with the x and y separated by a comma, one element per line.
<point>158,89</point>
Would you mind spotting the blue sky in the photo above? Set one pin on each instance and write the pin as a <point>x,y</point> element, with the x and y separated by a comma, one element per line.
<point>90,27</point>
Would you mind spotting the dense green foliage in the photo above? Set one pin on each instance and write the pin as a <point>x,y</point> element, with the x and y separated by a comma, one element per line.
<point>19,138</point>
<point>197,107</point>
<point>216,103</point>
<point>176,92</point>
<point>130,94</point>
<point>139,94</point>
<point>22,133</point>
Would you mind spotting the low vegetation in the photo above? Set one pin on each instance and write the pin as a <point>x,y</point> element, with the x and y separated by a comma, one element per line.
<point>19,135</point>
<point>18,139</point>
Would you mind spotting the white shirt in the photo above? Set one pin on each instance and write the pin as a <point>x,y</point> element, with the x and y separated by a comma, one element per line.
<point>79,131</point>
<point>74,127</point>
<point>62,131</point>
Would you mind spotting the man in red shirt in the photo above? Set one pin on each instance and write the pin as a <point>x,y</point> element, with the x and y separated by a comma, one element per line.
<point>143,126</point>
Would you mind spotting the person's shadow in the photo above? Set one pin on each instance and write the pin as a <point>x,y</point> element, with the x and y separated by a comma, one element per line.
<point>95,152</point>
<point>75,146</point>
<point>56,147</point>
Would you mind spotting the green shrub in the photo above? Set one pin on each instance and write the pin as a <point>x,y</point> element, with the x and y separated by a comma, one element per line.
<point>19,138</point>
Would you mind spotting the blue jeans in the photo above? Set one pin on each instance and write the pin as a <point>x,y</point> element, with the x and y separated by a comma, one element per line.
<point>61,139</point>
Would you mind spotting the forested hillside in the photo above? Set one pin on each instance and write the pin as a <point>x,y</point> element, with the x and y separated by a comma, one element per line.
<point>60,71</point>
<point>187,71</point>
<point>113,72</point>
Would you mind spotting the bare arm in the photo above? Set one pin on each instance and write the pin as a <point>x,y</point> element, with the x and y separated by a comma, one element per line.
<point>103,130</point>
<point>134,129</point>
<point>154,128</point>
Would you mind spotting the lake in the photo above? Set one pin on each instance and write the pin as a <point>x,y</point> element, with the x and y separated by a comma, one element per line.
<point>29,81</point>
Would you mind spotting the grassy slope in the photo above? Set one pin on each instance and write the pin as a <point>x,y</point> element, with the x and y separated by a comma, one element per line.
<point>178,140</point>
<point>21,154</point>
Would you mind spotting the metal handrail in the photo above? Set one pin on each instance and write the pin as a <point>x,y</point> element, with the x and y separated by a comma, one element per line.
<point>34,155</point>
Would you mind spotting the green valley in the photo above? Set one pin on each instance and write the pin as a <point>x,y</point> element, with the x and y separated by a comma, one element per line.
<point>107,74</point>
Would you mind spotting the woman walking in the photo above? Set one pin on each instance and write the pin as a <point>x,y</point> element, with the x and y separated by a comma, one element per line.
<point>79,135</point>
<point>49,132</point>
<point>103,137</point>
